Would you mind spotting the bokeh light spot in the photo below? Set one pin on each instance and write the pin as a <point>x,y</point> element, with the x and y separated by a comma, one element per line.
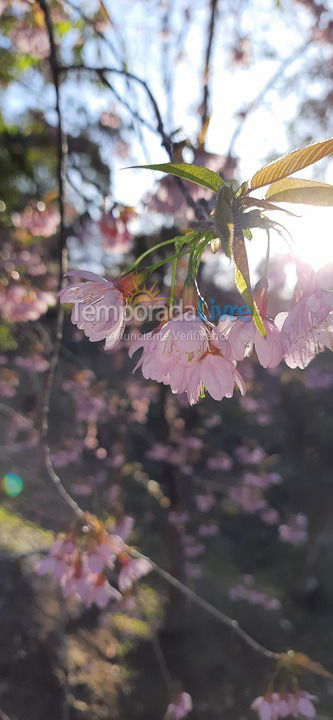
<point>12,484</point>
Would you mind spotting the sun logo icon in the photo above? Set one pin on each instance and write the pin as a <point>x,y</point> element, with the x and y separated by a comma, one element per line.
<point>142,295</point>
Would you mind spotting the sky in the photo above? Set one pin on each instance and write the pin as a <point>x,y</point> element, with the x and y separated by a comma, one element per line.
<point>264,134</point>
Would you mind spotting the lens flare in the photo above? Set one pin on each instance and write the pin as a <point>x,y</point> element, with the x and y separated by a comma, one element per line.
<point>12,484</point>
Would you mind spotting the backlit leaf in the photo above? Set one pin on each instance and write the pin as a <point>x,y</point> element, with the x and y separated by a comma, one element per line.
<point>242,280</point>
<point>295,190</point>
<point>291,163</point>
<point>193,173</point>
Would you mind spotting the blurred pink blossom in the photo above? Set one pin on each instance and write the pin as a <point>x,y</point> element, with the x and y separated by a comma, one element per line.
<point>247,456</point>
<point>31,40</point>
<point>220,462</point>
<point>205,502</point>
<point>33,363</point>
<point>208,530</point>
<point>270,516</point>
<point>249,498</point>
<point>68,454</point>
<point>115,233</point>
<point>250,594</point>
<point>295,532</point>
<point>9,382</point>
<point>37,222</point>
<point>180,707</point>
<point>19,303</point>
<point>132,569</point>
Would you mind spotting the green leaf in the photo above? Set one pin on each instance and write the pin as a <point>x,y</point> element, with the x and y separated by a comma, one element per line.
<point>193,173</point>
<point>295,190</point>
<point>291,163</point>
<point>242,280</point>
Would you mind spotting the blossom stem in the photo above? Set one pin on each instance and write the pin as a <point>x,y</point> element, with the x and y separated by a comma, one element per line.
<point>173,282</point>
<point>169,259</point>
<point>145,254</point>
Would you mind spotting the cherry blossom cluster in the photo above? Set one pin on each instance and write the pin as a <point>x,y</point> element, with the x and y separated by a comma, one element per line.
<point>276,705</point>
<point>19,303</point>
<point>80,561</point>
<point>36,219</point>
<point>180,707</point>
<point>191,354</point>
<point>114,228</point>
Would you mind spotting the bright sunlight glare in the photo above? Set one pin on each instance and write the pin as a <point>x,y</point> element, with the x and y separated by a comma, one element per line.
<point>312,234</point>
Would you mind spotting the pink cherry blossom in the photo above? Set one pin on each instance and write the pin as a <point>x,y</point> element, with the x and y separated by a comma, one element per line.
<point>307,328</point>
<point>301,703</point>
<point>270,707</point>
<point>215,374</point>
<point>281,705</point>
<point>181,340</point>
<point>180,707</point>
<point>244,336</point>
<point>80,570</point>
<point>191,357</point>
<point>99,307</point>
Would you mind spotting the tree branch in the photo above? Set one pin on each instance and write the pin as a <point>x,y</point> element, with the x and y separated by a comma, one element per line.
<point>62,258</point>
<point>210,609</point>
<point>205,110</point>
<point>165,139</point>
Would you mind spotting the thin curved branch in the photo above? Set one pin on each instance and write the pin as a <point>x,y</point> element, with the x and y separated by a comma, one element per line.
<point>165,138</point>
<point>210,609</point>
<point>205,110</point>
<point>62,258</point>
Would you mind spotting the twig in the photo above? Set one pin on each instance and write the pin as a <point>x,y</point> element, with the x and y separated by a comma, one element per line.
<point>165,139</point>
<point>62,249</point>
<point>205,111</point>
